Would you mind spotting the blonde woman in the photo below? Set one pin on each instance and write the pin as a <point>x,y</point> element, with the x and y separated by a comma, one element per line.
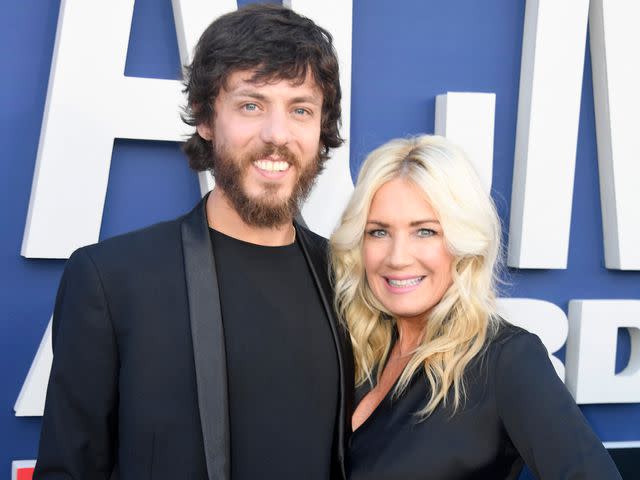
<point>445,388</point>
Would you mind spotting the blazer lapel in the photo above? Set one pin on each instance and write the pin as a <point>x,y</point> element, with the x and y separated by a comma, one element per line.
<point>208,341</point>
<point>317,260</point>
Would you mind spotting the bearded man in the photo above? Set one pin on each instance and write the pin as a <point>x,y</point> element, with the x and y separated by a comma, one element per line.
<point>206,347</point>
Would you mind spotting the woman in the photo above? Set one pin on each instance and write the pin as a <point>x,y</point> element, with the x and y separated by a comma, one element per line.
<point>446,389</point>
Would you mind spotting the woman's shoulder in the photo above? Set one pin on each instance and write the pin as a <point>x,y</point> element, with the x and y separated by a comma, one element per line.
<point>506,337</point>
<point>538,413</point>
<point>511,351</point>
<point>508,349</point>
<point>515,356</point>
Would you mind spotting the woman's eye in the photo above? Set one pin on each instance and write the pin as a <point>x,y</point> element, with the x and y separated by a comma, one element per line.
<point>377,233</point>
<point>426,232</point>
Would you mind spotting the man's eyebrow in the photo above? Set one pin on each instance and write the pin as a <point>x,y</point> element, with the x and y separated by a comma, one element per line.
<point>313,99</point>
<point>249,93</point>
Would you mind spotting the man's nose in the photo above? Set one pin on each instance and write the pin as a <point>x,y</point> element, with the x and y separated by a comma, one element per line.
<point>276,128</point>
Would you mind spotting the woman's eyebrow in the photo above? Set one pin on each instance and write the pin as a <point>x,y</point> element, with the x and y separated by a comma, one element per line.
<point>415,223</point>
<point>378,223</point>
<point>420,222</point>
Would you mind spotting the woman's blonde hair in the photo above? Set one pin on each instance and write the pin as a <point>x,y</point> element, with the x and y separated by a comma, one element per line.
<point>456,329</point>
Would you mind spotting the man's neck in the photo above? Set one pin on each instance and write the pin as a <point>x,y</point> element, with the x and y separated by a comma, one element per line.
<point>222,217</point>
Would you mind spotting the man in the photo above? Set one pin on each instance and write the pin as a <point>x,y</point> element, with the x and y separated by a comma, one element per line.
<point>206,347</point>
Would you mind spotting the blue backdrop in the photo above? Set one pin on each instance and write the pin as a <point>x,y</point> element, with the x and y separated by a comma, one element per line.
<point>403,56</point>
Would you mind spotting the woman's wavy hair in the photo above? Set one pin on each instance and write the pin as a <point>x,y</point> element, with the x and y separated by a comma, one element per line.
<point>277,44</point>
<point>457,328</point>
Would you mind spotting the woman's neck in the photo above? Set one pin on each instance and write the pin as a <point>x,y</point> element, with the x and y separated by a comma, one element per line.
<point>409,335</point>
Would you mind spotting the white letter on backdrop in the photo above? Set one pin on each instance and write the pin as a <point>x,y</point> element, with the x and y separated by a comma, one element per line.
<point>89,103</point>
<point>591,351</point>
<point>30,401</point>
<point>553,48</point>
<point>615,65</point>
<point>548,114</point>
<point>467,118</point>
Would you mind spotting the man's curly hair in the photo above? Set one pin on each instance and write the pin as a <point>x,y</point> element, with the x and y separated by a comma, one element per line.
<point>277,44</point>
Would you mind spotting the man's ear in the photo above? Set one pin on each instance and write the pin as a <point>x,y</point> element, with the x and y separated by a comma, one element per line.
<point>205,131</point>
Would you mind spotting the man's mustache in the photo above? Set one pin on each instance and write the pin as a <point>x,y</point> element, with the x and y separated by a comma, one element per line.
<point>280,151</point>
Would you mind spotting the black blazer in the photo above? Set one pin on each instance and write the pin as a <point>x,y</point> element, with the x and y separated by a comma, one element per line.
<point>516,410</point>
<point>138,387</point>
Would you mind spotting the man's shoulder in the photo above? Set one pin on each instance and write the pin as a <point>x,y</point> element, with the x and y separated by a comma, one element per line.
<point>139,249</point>
<point>145,237</point>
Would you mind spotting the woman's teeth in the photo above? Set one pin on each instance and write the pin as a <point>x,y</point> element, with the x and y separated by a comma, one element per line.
<point>407,282</point>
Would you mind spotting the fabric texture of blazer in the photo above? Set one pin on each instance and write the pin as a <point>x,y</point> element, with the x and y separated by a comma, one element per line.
<point>138,387</point>
<point>516,411</point>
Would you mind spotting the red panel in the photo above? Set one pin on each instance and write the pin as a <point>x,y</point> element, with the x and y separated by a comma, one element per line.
<point>24,473</point>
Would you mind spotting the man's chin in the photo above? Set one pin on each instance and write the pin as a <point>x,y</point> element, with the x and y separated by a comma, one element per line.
<point>265,211</point>
<point>269,198</point>
<point>268,192</point>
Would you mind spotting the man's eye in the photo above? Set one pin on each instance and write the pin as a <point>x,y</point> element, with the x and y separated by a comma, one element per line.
<point>301,111</point>
<point>377,233</point>
<point>426,232</point>
<point>250,107</point>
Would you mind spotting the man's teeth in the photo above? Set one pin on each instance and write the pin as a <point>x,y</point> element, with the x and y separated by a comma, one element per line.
<point>271,166</point>
<point>408,282</point>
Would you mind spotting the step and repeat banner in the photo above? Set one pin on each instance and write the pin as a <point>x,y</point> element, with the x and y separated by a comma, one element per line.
<point>543,96</point>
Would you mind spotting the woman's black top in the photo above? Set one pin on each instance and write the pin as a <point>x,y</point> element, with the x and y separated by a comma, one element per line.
<point>517,410</point>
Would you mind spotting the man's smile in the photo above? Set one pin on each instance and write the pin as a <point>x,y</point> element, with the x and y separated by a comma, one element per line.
<point>272,169</point>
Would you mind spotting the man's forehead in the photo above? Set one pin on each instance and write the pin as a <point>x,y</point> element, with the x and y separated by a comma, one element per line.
<point>246,79</point>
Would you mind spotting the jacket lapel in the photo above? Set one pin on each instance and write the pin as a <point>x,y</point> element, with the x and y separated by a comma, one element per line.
<point>317,259</point>
<point>208,341</point>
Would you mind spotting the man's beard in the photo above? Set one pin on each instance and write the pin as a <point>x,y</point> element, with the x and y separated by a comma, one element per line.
<point>267,209</point>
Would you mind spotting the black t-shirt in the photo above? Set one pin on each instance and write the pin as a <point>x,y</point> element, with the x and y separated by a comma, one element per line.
<point>281,362</point>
